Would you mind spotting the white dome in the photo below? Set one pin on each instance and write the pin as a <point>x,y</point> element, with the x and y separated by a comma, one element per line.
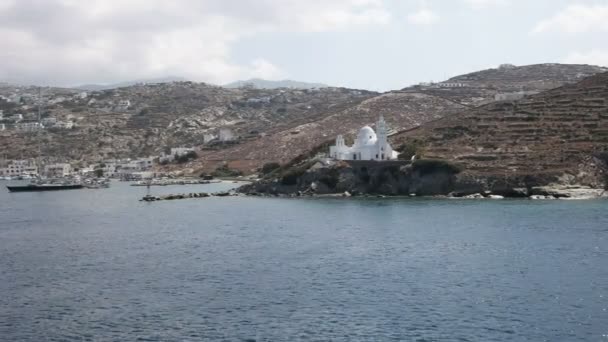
<point>366,136</point>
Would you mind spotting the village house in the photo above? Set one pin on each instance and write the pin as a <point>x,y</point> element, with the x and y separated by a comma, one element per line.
<point>226,135</point>
<point>28,126</point>
<point>134,169</point>
<point>58,170</point>
<point>123,105</point>
<point>17,168</point>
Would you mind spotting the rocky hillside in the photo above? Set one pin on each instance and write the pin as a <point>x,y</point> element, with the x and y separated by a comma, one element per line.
<point>243,127</point>
<point>403,110</point>
<point>560,135</point>
<point>145,119</point>
<point>507,81</point>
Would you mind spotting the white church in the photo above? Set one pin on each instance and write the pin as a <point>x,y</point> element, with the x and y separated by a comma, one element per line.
<point>368,146</point>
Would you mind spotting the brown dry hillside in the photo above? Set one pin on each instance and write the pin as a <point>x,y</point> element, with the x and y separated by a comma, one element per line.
<point>559,132</point>
<point>401,110</point>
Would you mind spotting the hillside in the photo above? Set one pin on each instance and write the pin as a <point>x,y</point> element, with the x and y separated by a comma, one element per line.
<point>146,119</point>
<point>243,127</point>
<point>560,135</point>
<point>403,110</point>
<point>507,82</point>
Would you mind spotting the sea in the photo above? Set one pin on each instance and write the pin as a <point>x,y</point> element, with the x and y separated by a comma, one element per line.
<point>100,265</point>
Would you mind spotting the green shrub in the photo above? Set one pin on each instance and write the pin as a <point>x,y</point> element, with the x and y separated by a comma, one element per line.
<point>225,171</point>
<point>269,167</point>
<point>186,157</point>
<point>409,149</point>
<point>426,166</point>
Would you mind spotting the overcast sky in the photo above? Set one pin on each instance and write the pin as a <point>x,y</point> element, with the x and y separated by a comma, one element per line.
<point>370,44</point>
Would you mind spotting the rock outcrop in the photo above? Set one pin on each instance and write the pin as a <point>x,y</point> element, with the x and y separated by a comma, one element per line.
<point>348,178</point>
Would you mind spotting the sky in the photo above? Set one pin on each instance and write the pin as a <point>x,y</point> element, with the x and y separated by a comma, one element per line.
<point>366,44</point>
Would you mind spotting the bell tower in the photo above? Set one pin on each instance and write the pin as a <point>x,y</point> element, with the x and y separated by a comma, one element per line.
<point>381,132</point>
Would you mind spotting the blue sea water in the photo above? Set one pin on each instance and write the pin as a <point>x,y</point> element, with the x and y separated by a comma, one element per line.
<point>98,265</point>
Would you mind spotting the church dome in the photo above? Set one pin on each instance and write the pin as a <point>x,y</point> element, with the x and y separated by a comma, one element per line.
<point>366,137</point>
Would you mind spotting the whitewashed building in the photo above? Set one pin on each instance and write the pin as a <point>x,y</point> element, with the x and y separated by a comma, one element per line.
<point>180,151</point>
<point>368,145</point>
<point>20,168</point>
<point>57,170</point>
<point>207,137</point>
<point>28,126</point>
<point>226,135</point>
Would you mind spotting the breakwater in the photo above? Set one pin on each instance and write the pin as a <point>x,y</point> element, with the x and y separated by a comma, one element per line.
<point>170,197</point>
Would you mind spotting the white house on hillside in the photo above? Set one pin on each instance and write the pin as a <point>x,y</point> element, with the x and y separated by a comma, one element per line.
<point>368,145</point>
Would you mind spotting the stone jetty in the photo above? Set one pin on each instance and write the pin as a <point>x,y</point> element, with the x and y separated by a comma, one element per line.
<point>170,197</point>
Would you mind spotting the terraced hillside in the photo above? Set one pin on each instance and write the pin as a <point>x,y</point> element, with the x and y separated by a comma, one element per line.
<point>481,87</point>
<point>558,133</point>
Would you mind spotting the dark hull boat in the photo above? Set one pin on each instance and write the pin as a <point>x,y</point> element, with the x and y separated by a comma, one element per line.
<point>43,187</point>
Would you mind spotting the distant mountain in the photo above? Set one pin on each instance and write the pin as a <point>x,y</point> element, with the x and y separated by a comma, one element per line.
<point>266,84</point>
<point>92,87</point>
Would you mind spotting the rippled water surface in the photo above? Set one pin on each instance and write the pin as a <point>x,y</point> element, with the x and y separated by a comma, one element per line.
<point>98,265</point>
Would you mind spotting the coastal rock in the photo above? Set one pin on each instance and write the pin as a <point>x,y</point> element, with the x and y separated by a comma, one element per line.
<point>568,192</point>
<point>474,196</point>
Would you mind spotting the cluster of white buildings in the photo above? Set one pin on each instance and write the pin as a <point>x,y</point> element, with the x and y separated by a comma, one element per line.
<point>223,135</point>
<point>128,169</point>
<point>442,85</point>
<point>19,168</point>
<point>30,168</point>
<point>368,145</point>
<point>19,124</point>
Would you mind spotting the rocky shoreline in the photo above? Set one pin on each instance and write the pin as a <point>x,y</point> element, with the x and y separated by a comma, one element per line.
<point>582,193</point>
<point>428,178</point>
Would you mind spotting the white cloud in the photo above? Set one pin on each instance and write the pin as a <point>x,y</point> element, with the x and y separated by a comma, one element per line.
<point>262,68</point>
<point>576,19</point>
<point>423,17</point>
<point>593,57</point>
<point>482,4</point>
<point>72,41</point>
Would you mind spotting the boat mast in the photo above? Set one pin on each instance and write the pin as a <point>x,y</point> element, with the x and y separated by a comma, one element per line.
<point>39,131</point>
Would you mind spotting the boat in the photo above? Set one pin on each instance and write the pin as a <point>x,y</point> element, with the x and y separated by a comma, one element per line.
<point>32,187</point>
<point>96,183</point>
